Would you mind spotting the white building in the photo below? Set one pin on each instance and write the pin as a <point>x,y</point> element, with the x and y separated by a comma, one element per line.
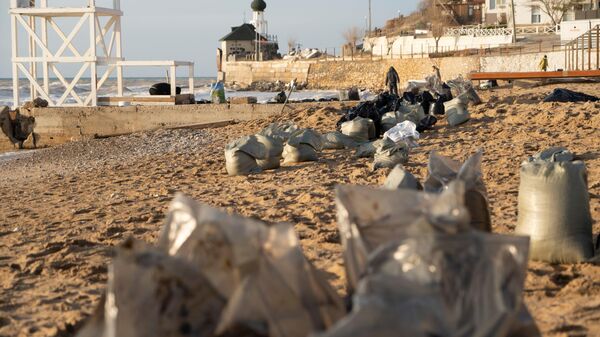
<point>527,12</point>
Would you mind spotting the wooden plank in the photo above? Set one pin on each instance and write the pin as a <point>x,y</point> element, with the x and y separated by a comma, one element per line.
<point>200,126</point>
<point>533,75</point>
<point>138,99</point>
<point>65,11</point>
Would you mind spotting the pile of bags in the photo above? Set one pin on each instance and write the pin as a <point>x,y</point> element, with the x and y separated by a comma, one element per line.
<point>416,267</point>
<point>214,274</point>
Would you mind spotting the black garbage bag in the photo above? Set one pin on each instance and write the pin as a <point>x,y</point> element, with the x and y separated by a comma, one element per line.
<point>162,89</point>
<point>566,95</point>
<point>426,99</point>
<point>438,105</point>
<point>353,94</point>
<point>281,97</point>
<point>427,123</point>
<point>364,110</point>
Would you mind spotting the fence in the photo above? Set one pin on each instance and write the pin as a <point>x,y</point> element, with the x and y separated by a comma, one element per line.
<point>502,31</point>
<point>588,45</point>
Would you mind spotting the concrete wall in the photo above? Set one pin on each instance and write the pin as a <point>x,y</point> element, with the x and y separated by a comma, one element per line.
<point>524,62</point>
<point>371,74</point>
<point>245,73</point>
<point>61,125</point>
<point>410,45</point>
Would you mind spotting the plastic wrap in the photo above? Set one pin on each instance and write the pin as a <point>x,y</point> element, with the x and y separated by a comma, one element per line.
<point>405,131</point>
<point>443,170</point>
<point>554,208</point>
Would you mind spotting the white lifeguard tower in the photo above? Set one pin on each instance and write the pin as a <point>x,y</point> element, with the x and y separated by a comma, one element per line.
<point>101,57</point>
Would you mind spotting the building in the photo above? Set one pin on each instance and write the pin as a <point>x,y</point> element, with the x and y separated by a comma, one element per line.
<point>462,12</point>
<point>527,12</point>
<point>251,41</point>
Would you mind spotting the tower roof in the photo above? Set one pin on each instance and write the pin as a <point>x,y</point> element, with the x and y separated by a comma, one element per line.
<point>258,5</point>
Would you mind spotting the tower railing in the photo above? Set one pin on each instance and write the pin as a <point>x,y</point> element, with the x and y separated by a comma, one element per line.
<point>583,53</point>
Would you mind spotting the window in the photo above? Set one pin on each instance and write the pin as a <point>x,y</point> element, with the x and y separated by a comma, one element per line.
<point>536,15</point>
<point>492,5</point>
<point>500,2</point>
<point>470,10</point>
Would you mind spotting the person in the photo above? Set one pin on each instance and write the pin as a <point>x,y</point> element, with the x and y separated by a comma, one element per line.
<point>391,80</point>
<point>544,63</point>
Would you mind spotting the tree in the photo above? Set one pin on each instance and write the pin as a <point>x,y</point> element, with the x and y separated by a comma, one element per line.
<point>352,35</point>
<point>437,30</point>
<point>557,9</point>
<point>291,44</point>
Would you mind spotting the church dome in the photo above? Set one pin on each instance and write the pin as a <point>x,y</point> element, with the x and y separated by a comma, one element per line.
<point>258,5</point>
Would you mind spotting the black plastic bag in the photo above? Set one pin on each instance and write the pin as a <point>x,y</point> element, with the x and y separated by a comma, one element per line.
<point>426,123</point>
<point>163,89</point>
<point>566,95</point>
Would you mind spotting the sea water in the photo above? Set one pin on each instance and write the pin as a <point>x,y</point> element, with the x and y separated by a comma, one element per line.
<point>140,87</point>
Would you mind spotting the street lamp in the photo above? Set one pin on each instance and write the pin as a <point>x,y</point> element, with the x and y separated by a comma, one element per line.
<point>370,16</point>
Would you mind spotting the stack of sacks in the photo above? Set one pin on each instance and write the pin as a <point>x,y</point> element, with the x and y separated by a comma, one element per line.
<point>242,154</point>
<point>280,131</point>
<point>303,145</point>
<point>554,207</point>
<point>337,141</point>
<point>360,129</point>
<point>443,170</point>
<point>416,268</point>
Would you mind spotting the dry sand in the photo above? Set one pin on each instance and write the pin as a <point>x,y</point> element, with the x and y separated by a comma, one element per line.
<point>64,208</point>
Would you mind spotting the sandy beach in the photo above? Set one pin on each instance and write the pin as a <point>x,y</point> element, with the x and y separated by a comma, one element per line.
<point>65,207</point>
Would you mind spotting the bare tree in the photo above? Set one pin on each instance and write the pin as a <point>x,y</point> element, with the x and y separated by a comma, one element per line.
<point>352,36</point>
<point>437,30</point>
<point>556,9</point>
<point>291,44</point>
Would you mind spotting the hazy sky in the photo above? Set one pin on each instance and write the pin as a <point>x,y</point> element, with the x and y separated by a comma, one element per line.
<point>190,29</point>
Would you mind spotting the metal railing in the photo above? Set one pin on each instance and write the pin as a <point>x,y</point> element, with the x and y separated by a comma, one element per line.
<point>501,31</point>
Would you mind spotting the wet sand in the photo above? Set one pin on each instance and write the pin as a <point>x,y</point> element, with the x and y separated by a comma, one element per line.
<point>65,207</point>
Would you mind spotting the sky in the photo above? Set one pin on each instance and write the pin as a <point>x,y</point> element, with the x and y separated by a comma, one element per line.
<point>189,30</point>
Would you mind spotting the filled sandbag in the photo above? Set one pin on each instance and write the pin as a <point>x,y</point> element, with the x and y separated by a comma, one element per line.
<point>242,154</point>
<point>400,178</point>
<point>554,210</point>
<point>303,145</point>
<point>368,150</point>
<point>281,131</point>
<point>416,268</point>
<point>147,294</point>
<point>388,121</point>
<point>390,155</point>
<point>274,150</point>
<point>411,112</point>
<point>456,112</point>
<point>359,129</point>
<point>337,141</point>
<point>443,170</point>
<point>270,286</point>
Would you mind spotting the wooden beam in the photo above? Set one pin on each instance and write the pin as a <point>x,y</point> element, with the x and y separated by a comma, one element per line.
<point>533,75</point>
